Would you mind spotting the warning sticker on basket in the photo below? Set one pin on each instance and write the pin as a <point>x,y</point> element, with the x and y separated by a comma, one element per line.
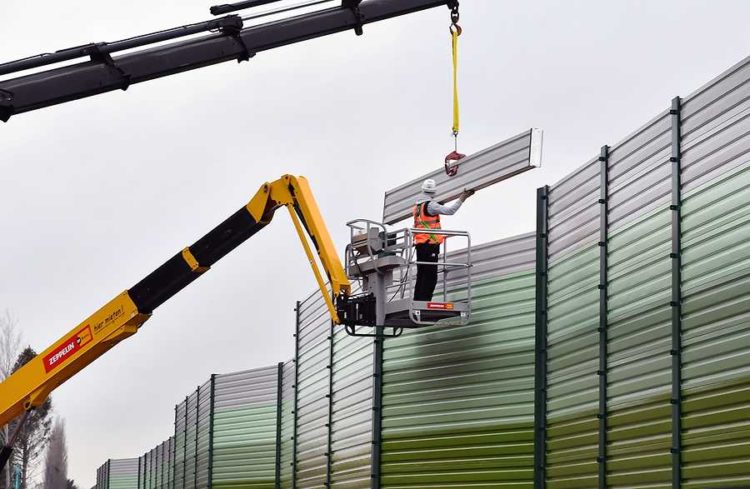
<point>66,350</point>
<point>443,306</point>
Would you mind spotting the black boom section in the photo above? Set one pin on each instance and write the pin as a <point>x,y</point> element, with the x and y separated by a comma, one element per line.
<point>161,284</point>
<point>175,274</point>
<point>102,72</point>
<point>225,237</point>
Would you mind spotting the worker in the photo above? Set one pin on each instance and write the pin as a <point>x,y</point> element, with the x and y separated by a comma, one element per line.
<point>427,216</point>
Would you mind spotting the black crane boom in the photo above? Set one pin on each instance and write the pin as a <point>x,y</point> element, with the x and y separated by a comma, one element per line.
<point>102,72</point>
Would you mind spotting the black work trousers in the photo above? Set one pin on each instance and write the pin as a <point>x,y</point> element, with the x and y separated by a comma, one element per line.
<point>427,275</point>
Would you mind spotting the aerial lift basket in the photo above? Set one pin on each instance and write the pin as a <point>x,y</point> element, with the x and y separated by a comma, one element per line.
<point>383,262</point>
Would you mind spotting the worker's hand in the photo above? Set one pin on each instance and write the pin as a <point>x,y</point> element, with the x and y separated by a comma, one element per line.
<point>466,194</point>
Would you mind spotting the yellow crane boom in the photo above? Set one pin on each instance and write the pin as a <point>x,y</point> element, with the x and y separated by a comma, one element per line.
<point>121,317</point>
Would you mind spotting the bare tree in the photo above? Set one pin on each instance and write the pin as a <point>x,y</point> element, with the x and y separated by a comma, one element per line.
<point>34,435</point>
<point>10,343</point>
<point>56,461</point>
<point>10,347</point>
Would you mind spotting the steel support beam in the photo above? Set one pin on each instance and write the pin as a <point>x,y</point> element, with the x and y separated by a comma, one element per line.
<point>197,428</point>
<point>212,414</point>
<point>329,422</point>
<point>601,458</point>
<point>184,447</point>
<point>377,408</point>
<point>296,396</point>
<point>102,72</point>
<point>540,347</point>
<point>279,407</point>
<point>676,302</point>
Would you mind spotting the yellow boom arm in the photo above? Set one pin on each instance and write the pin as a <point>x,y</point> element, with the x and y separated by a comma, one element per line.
<point>123,315</point>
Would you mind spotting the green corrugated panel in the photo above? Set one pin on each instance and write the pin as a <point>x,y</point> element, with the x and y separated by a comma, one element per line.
<point>123,474</point>
<point>190,431</point>
<point>203,437</point>
<point>179,446</point>
<point>312,391</point>
<point>572,362</point>
<point>351,437</point>
<point>171,462</point>
<point>458,402</point>
<point>287,424</point>
<point>244,452</point>
<point>244,440</point>
<point>639,363</point>
<point>716,333</point>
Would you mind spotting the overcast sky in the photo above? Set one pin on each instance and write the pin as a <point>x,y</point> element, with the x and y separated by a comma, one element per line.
<point>95,194</point>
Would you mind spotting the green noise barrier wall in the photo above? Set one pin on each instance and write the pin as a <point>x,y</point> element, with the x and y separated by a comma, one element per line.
<point>334,403</point>
<point>351,411</point>
<point>192,438</point>
<point>458,403</point>
<point>313,377</point>
<point>646,307</point>
<point>244,435</point>
<point>156,467</point>
<point>715,377</point>
<point>610,348</point>
<point>118,474</point>
<point>286,423</point>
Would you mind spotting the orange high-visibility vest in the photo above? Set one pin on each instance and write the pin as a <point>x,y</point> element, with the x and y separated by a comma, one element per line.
<point>422,220</point>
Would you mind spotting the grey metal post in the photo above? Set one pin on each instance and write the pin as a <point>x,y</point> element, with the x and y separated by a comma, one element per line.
<point>377,381</point>
<point>172,448</point>
<point>601,459</point>
<point>173,477</point>
<point>163,462</point>
<point>676,302</point>
<point>540,347</point>
<point>174,452</point>
<point>211,432</point>
<point>329,395</point>
<point>279,407</point>
<point>184,447</point>
<point>445,271</point>
<point>296,396</point>
<point>195,448</point>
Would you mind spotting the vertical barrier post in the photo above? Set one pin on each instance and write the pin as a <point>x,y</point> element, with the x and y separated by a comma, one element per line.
<point>601,459</point>
<point>170,463</point>
<point>279,406</point>
<point>211,433</point>
<point>676,302</point>
<point>540,343</point>
<point>329,422</point>
<point>184,448</point>
<point>174,457</point>
<point>174,452</point>
<point>377,409</point>
<point>164,459</point>
<point>197,417</point>
<point>296,396</point>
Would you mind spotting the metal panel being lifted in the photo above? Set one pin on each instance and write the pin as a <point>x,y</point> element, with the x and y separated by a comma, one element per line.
<point>477,171</point>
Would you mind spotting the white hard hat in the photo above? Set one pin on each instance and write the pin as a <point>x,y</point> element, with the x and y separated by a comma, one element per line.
<point>429,186</point>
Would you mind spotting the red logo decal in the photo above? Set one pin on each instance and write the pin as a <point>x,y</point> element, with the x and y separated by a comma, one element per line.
<point>68,349</point>
<point>445,306</point>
